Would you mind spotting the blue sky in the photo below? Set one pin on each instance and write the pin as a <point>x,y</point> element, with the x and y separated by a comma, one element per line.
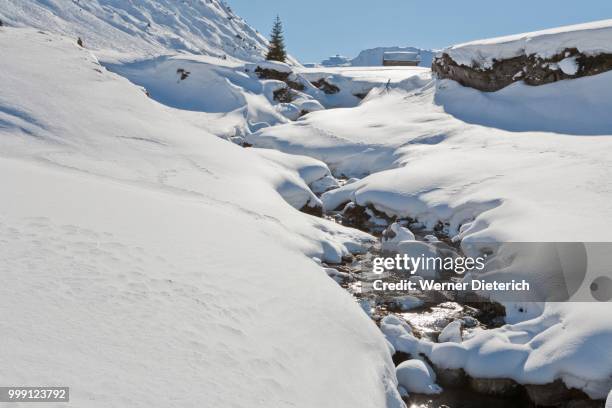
<point>315,29</point>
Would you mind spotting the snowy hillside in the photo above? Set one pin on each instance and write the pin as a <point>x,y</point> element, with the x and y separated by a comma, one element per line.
<point>149,263</point>
<point>145,28</point>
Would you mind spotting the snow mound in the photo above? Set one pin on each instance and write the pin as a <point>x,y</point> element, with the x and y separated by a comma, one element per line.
<point>558,344</point>
<point>579,106</point>
<point>394,235</point>
<point>144,28</point>
<point>589,38</point>
<point>416,376</point>
<point>451,333</point>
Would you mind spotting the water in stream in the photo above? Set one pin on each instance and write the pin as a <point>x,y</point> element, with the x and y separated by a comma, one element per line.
<point>429,317</point>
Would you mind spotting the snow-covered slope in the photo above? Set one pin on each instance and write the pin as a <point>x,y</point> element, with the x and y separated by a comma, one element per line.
<point>149,263</point>
<point>142,28</point>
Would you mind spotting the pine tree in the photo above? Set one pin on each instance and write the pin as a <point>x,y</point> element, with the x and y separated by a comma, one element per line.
<point>276,49</point>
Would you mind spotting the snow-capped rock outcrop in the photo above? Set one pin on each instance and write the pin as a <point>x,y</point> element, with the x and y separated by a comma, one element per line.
<point>536,58</point>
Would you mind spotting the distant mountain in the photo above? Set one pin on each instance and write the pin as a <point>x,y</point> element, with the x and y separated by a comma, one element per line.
<point>336,61</point>
<point>373,57</point>
<point>142,28</point>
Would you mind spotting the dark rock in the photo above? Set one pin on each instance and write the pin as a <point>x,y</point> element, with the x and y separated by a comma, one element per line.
<point>361,95</point>
<point>284,95</point>
<point>531,69</point>
<point>495,386</point>
<point>400,356</point>
<point>553,394</point>
<point>264,73</point>
<point>451,377</point>
<point>357,216</point>
<point>317,211</point>
<point>585,404</point>
<point>326,87</point>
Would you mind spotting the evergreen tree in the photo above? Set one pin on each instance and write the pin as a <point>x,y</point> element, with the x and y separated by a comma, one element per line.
<point>276,49</point>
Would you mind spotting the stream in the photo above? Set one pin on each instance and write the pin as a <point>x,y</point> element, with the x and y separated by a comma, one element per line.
<point>429,314</point>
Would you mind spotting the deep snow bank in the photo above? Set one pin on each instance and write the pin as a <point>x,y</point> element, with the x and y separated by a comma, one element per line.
<point>536,58</point>
<point>146,261</point>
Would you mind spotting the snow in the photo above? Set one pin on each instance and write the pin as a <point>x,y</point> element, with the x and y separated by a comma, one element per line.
<point>401,56</point>
<point>271,65</point>
<point>589,38</point>
<point>373,57</point>
<point>125,31</point>
<point>536,351</point>
<point>451,333</point>
<point>609,400</point>
<point>568,65</point>
<point>142,254</point>
<point>353,81</point>
<point>394,235</point>
<point>416,376</point>
<point>524,164</point>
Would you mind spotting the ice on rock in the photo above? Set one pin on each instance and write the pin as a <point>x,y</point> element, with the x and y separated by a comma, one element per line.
<point>407,302</point>
<point>569,66</point>
<point>451,333</point>
<point>416,376</point>
<point>394,235</point>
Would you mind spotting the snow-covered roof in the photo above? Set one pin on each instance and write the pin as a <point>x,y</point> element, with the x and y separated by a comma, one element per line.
<point>401,56</point>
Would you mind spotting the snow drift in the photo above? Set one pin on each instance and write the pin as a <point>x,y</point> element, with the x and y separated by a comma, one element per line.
<point>147,262</point>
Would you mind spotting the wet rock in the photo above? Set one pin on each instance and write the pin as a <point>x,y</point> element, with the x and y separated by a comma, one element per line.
<point>451,377</point>
<point>469,321</point>
<point>554,394</point>
<point>364,218</point>
<point>585,404</point>
<point>399,357</point>
<point>495,386</point>
<point>531,69</point>
<point>404,303</point>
